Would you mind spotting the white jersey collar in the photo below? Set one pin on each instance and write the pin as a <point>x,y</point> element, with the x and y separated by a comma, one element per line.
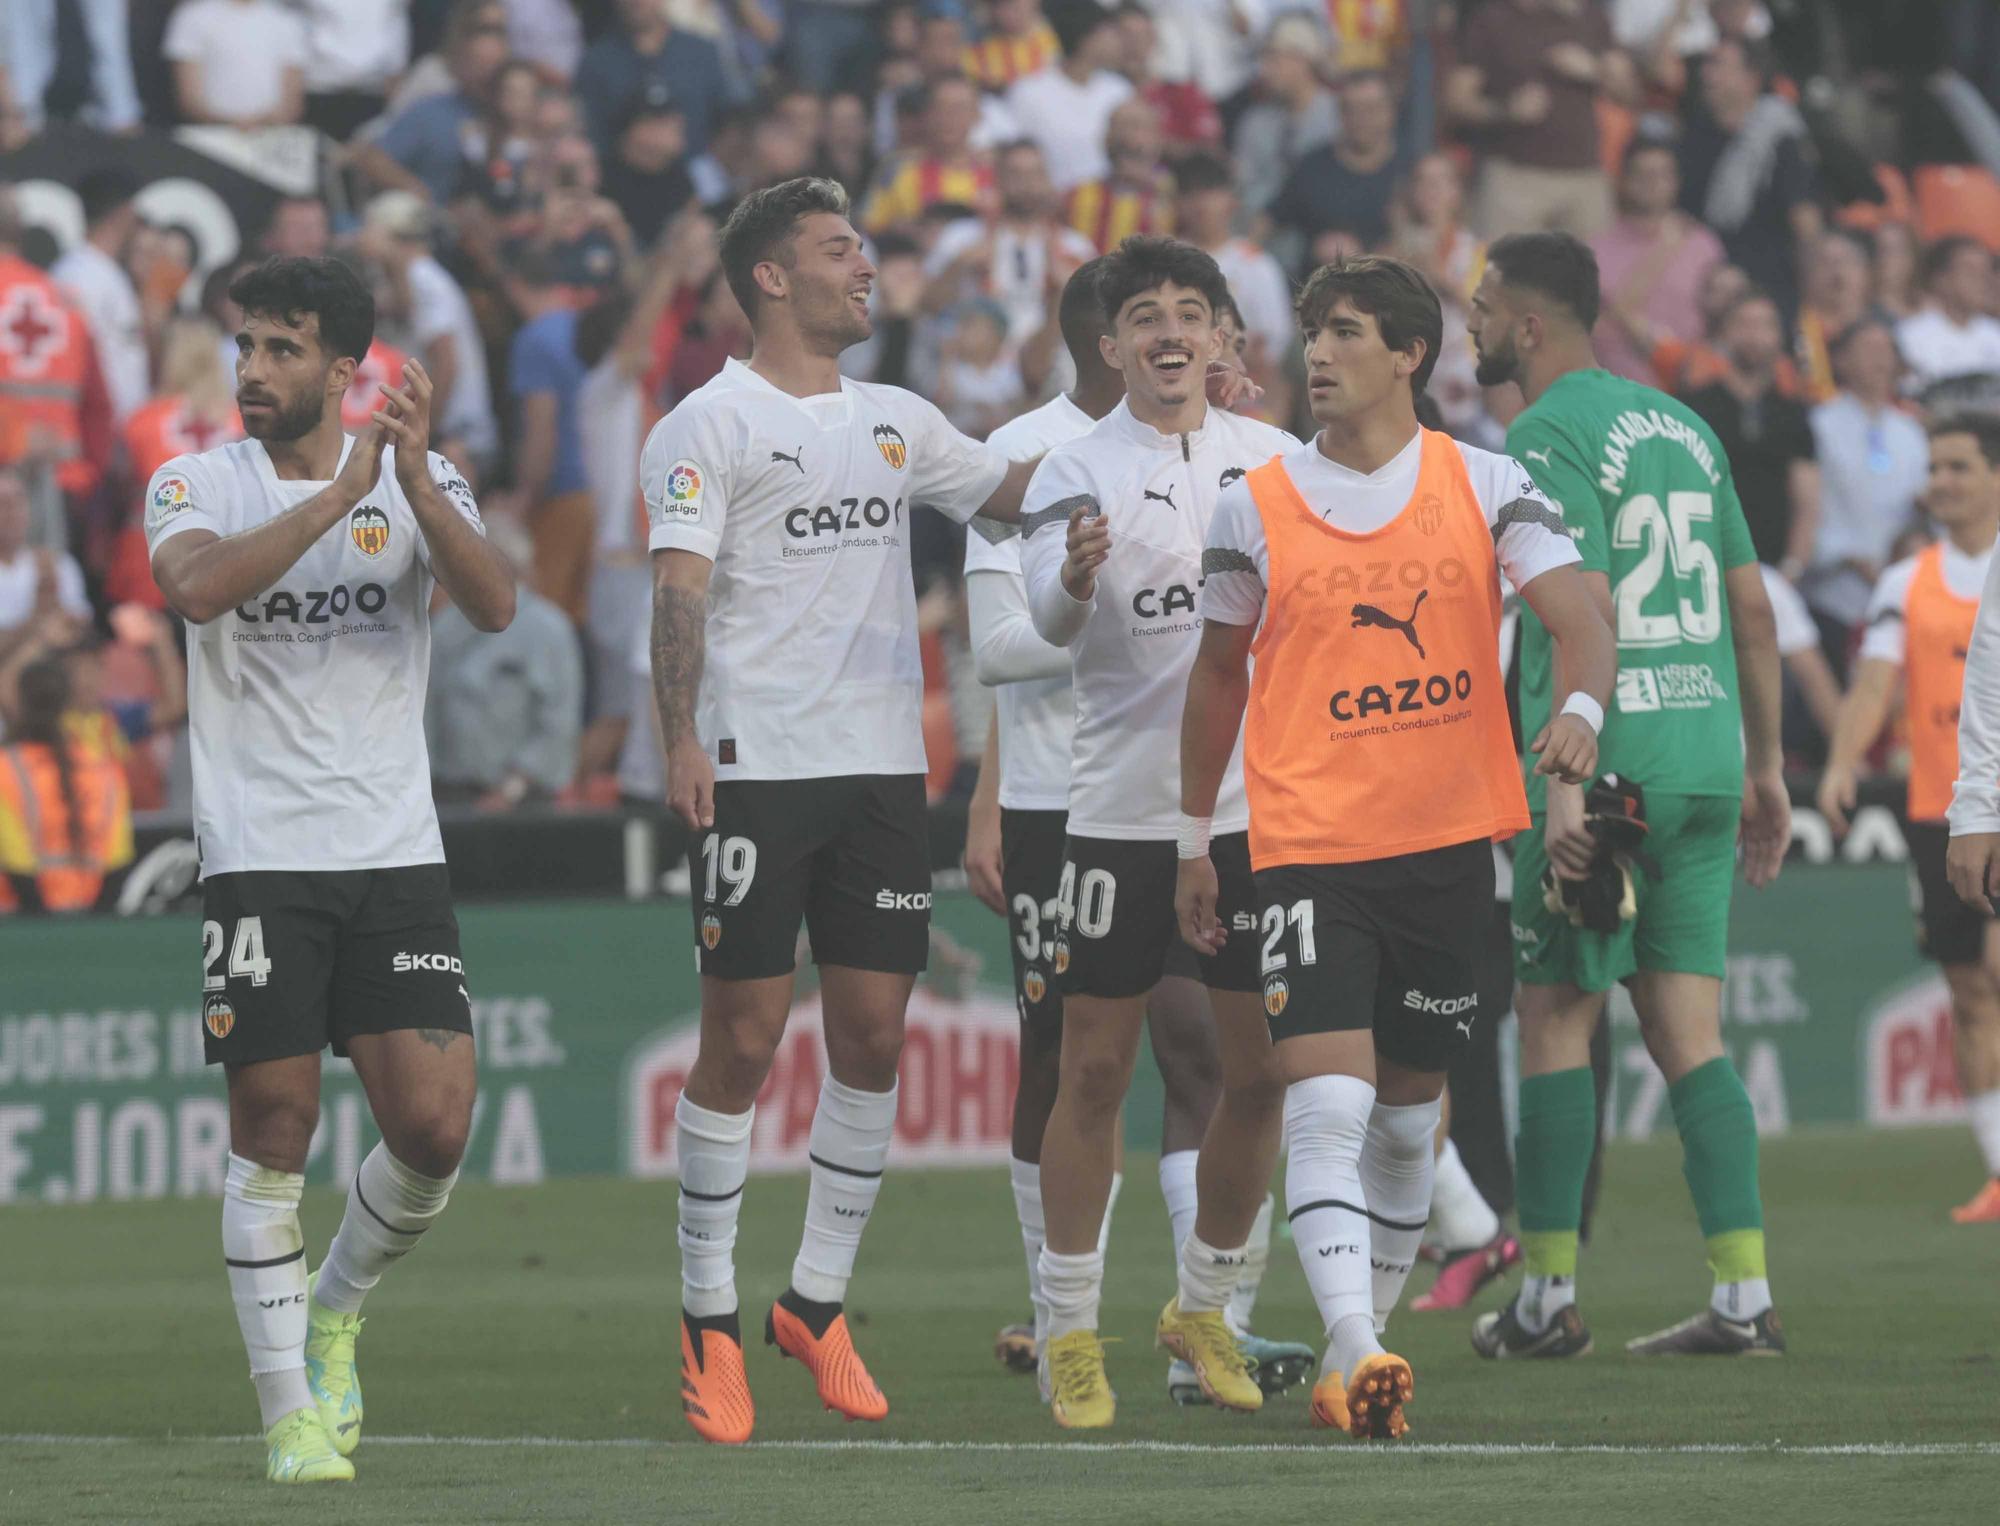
<point>1144,435</point>
<point>268,474</point>
<point>740,374</point>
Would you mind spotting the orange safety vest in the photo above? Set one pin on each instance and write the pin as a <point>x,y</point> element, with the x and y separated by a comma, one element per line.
<point>1937,630</point>
<point>35,832</point>
<point>44,360</point>
<point>169,426</point>
<point>1378,722</point>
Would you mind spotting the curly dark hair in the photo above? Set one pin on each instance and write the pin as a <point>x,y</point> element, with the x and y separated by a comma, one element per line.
<point>1145,262</point>
<point>289,287</point>
<point>763,226</point>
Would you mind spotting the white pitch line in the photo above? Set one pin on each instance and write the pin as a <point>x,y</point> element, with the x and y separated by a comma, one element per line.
<point>1213,1449</point>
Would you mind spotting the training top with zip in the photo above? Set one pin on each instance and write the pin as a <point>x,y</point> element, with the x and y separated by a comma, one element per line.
<point>1133,643</point>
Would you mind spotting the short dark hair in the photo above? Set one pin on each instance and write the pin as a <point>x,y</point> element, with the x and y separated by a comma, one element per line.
<point>1203,170</point>
<point>1074,20</point>
<point>1080,313</point>
<point>1646,143</point>
<point>1558,266</point>
<point>1747,297</point>
<point>763,225</point>
<point>1393,292</point>
<point>1983,427</point>
<point>1937,259</point>
<point>289,287</point>
<point>1147,261</point>
<point>102,192</point>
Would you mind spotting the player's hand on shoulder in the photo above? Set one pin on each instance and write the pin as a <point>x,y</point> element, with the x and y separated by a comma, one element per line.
<point>1089,543</point>
<point>1972,863</point>
<point>1568,750</point>
<point>691,784</point>
<point>1195,895</point>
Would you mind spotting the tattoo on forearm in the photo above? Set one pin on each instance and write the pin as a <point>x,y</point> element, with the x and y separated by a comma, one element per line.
<point>679,630</point>
<point>439,1039</point>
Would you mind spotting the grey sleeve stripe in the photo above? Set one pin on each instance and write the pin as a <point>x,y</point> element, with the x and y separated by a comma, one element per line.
<point>1056,513</point>
<point>1216,559</point>
<point>1530,511</point>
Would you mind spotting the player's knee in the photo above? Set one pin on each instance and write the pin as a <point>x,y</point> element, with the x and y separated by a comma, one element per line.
<point>866,1054</point>
<point>273,1130</point>
<point>1095,1081</point>
<point>431,1143</point>
<point>1262,1094</point>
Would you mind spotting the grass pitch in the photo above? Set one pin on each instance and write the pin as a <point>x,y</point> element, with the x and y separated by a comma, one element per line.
<point>522,1367</point>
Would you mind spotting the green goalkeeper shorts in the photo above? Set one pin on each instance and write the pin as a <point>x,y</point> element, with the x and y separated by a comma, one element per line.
<point>1682,924</point>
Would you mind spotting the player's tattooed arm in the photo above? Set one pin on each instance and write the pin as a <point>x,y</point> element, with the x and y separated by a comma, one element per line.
<point>680,619</point>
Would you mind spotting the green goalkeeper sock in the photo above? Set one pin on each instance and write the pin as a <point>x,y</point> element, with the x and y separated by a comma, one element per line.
<point>1551,1159</point>
<point>1718,1131</point>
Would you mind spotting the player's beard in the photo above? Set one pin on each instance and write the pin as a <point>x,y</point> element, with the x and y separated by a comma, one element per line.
<point>1495,368</point>
<point>837,325</point>
<point>287,421</point>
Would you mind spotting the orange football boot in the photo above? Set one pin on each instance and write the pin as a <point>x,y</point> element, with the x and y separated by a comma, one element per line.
<point>844,1384</point>
<point>1984,1207</point>
<point>715,1393</point>
<point>1370,1406</point>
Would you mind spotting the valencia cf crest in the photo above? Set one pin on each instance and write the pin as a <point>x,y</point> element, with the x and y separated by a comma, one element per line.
<point>217,1016</point>
<point>890,443</point>
<point>711,930</point>
<point>1430,514</point>
<point>1059,957</point>
<point>1277,993</point>
<point>369,527</point>
<point>1034,986</point>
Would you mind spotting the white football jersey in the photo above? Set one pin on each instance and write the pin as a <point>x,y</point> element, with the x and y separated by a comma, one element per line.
<point>306,702</point>
<point>803,504</point>
<point>1131,656</point>
<point>1037,715</point>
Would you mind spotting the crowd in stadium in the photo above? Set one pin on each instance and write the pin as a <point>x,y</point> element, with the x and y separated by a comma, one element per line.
<point>1794,207</point>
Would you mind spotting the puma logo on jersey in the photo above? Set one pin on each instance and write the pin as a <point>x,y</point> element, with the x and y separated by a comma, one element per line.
<point>1167,497</point>
<point>1464,1027</point>
<point>1231,474</point>
<point>1538,455</point>
<point>1368,614</point>
<point>796,458</point>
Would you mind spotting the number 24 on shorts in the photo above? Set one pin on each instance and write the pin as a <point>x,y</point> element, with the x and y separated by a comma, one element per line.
<point>247,959</point>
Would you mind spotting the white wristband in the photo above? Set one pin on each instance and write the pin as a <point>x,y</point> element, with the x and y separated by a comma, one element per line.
<point>1585,709</point>
<point>1194,835</point>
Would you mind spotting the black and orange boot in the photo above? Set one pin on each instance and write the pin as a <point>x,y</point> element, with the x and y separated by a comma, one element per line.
<point>715,1393</point>
<point>816,1334</point>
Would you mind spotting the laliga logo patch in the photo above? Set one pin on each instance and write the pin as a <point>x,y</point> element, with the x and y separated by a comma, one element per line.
<point>1060,958</point>
<point>890,443</point>
<point>1430,514</point>
<point>171,496</point>
<point>1035,986</point>
<point>1277,992</point>
<point>369,527</point>
<point>684,482</point>
<point>217,1016</point>
<point>711,930</point>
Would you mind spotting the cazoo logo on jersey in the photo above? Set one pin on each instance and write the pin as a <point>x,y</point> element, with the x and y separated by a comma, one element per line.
<point>804,523</point>
<point>316,606</point>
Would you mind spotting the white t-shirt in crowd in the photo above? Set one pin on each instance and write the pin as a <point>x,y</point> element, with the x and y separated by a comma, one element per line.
<point>355,44</point>
<point>104,293</point>
<point>1131,646</point>
<point>243,48</point>
<point>1036,716</point>
<point>811,666</point>
<point>1068,120</point>
<point>17,588</point>
<point>1935,348</point>
<point>1529,538</point>
<point>1263,294</point>
<point>1887,635</point>
<point>1019,277</point>
<point>306,702</point>
<point>439,309</point>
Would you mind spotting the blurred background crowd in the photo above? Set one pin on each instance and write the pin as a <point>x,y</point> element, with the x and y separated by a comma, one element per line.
<point>1795,205</point>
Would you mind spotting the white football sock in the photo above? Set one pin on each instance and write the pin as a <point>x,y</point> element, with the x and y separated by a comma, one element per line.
<point>848,1147</point>
<point>1397,1164</point>
<point>265,1253</point>
<point>389,1207</point>
<point>1208,1275</point>
<point>714,1153</point>
<point>1177,1187</point>
<point>1326,1126</point>
<point>1461,1219</point>
<point>1072,1285</point>
<point>1742,1301</point>
<point>1027,1181</point>
<point>1983,1109</point>
<point>1111,1202</point>
<point>1256,1261</point>
<point>1541,1300</point>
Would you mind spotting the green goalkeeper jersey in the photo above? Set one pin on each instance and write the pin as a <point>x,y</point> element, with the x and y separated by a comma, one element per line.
<point>1646,490</point>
